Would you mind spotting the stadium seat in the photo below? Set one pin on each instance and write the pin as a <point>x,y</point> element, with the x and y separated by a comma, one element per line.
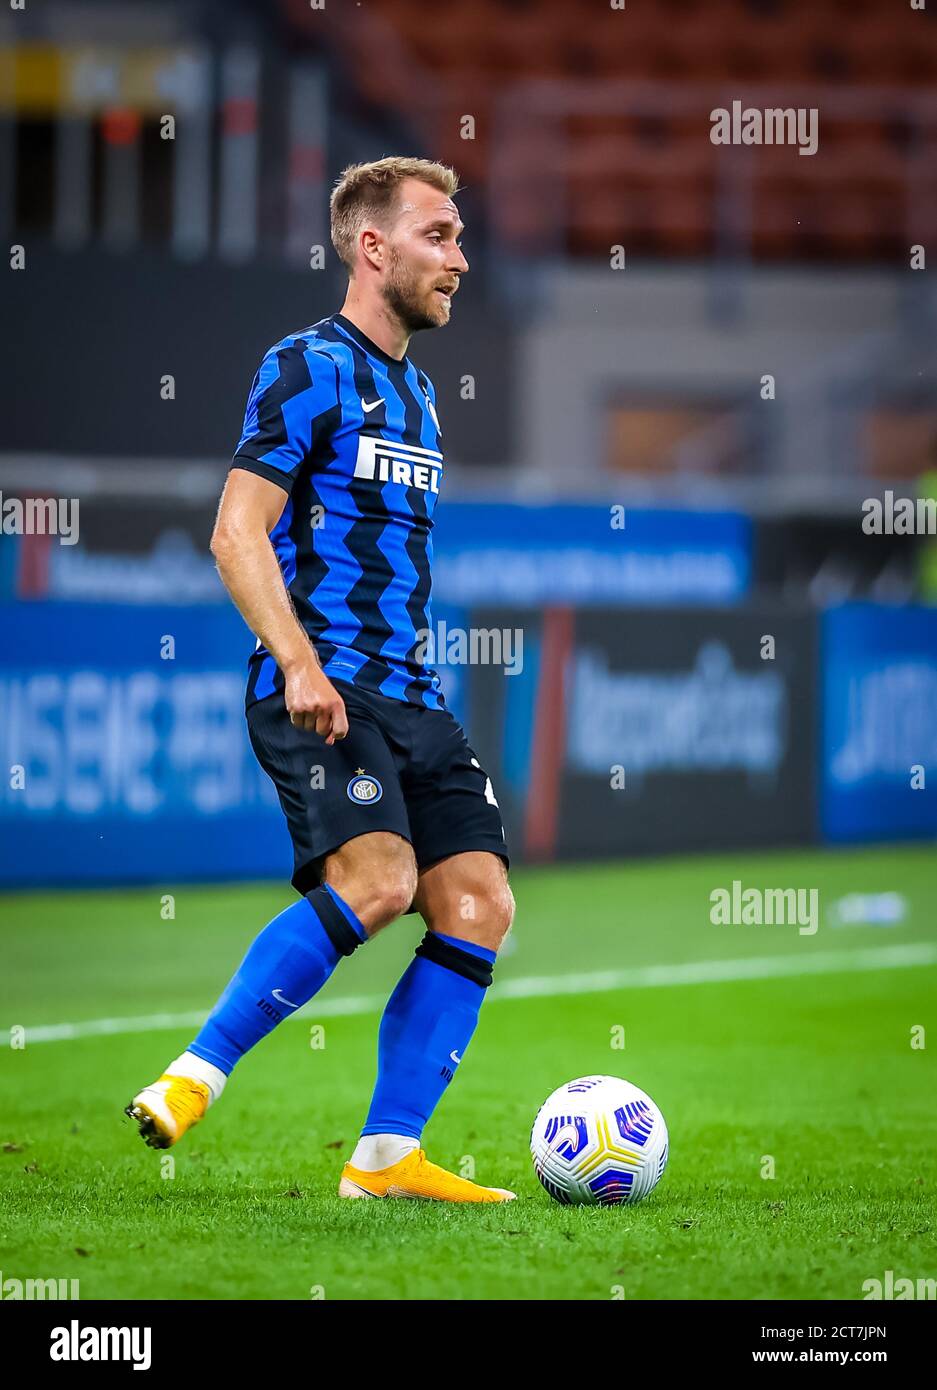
<point>479,57</point>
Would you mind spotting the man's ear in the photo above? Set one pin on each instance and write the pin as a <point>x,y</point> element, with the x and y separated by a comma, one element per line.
<point>372,245</point>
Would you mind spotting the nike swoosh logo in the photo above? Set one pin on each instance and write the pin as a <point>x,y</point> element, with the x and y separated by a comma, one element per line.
<point>455,1056</point>
<point>371,405</point>
<point>363,1190</point>
<point>282,999</point>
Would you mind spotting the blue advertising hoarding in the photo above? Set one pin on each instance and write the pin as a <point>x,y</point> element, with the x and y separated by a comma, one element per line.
<point>589,553</point>
<point>485,552</point>
<point>125,753</point>
<point>879,744</point>
<point>125,750</point>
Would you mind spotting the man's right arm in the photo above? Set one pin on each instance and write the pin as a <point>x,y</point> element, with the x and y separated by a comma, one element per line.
<point>250,508</point>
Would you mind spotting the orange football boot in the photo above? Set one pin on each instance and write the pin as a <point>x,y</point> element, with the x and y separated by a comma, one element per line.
<point>415,1176</point>
<point>165,1110</point>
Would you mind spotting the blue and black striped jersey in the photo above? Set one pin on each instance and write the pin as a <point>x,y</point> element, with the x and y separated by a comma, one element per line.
<point>351,435</point>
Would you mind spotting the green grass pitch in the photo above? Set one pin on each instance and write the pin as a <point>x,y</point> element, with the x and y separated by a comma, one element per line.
<point>810,1066</point>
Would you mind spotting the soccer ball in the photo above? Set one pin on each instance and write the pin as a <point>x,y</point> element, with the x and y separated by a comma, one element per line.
<point>599,1140</point>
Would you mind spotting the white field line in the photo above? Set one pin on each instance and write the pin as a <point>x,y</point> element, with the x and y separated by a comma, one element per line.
<point>701,972</point>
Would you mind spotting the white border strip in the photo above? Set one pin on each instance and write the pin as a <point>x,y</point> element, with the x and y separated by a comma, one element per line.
<point>702,972</point>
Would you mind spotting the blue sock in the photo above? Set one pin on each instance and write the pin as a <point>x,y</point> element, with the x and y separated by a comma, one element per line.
<point>427,1025</point>
<point>284,967</point>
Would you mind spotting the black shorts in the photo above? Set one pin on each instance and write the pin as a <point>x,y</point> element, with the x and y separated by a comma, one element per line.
<point>401,768</point>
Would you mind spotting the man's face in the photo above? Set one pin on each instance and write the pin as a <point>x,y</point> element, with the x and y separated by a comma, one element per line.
<point>424,258</point>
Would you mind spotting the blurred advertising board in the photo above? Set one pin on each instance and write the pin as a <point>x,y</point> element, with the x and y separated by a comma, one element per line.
<point>485,552</point>
<point>879,752</point>
<point>125,730</point>
<point>606,732</point>
<point>125,750</point>
<point>649,731</point>
<point>588,553</point>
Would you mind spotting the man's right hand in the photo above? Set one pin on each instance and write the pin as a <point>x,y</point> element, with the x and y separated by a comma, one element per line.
<point>313,702</point>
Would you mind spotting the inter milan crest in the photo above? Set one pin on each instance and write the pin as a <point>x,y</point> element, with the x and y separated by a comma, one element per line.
<point>364,789</point>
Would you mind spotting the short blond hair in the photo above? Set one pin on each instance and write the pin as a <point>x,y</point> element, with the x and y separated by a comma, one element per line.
<point>366,192</point>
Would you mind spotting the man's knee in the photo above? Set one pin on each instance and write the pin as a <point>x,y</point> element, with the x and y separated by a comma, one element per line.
<point>501,911</point>
<point>376,875</point>
<point>470,899</point>
<point>394,895</point>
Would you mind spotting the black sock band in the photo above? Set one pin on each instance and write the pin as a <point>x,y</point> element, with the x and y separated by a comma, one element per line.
<point>464,963</point>
<point>334,922</point>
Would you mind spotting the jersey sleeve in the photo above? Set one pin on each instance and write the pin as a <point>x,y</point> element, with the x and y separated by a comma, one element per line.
<point>292,391</point>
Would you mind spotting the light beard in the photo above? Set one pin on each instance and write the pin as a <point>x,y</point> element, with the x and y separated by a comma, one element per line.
<point>400,298</point>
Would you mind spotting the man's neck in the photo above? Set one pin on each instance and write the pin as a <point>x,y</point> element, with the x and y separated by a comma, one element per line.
<point>377,322</point>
